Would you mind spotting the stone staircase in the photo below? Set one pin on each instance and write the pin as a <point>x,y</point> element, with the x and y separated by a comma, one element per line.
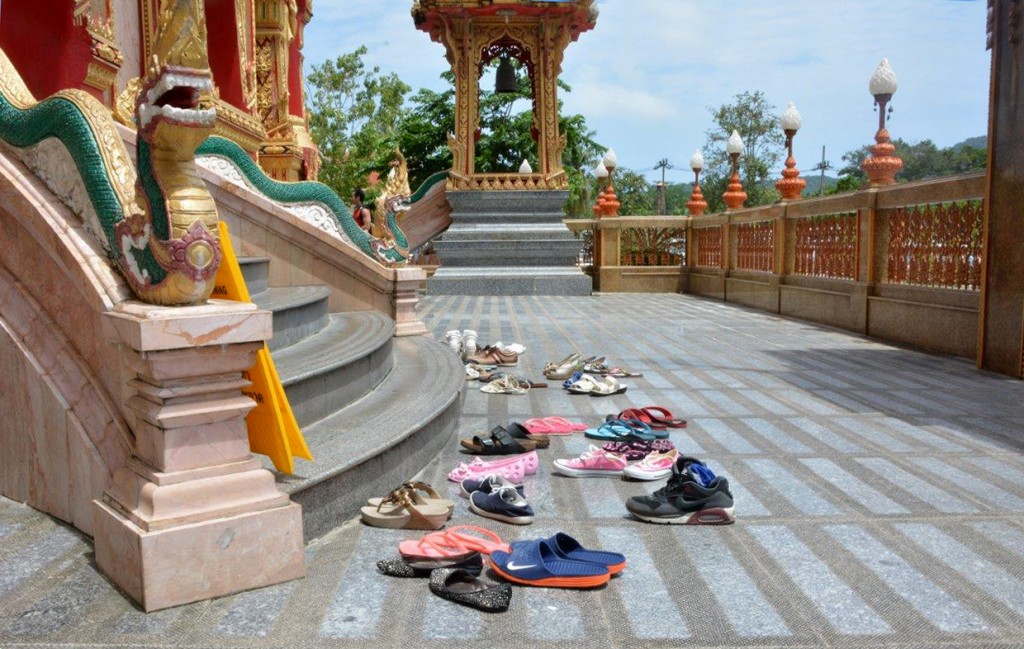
<point>373,408</point>
<point>508,243</point>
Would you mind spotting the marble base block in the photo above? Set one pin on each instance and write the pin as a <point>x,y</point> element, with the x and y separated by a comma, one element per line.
<point>188,563</point>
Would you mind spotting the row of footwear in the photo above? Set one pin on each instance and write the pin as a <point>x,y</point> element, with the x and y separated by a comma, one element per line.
<point>573,363</point>
<point>453,560</point>
<point>464,343</point>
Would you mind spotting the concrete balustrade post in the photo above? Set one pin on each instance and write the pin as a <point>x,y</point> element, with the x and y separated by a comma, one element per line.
<point>193,515</point>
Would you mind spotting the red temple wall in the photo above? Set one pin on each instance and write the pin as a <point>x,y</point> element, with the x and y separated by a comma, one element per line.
<point>46,47</point>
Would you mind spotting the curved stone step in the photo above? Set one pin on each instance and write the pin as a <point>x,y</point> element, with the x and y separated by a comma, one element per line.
<point>256,272</point>
<point>336,366</point>
<point>376,443</point>
<point>299,312</point>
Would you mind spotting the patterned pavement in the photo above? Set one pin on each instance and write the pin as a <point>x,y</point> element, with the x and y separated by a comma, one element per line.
<point>879,497</point>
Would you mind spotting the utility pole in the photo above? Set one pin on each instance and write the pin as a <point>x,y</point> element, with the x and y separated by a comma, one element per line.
<point>663,164</point>
<point>823,165</point>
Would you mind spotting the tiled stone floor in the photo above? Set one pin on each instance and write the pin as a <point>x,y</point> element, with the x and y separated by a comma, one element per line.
<point>879,495</point>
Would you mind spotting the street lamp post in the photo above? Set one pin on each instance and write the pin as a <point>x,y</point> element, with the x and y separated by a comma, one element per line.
<point>602,179</point>
<point>611,202</point>
<point>792,185</point>
<point>734,195</point>
<point>882,166</point>
<point>697,204</point>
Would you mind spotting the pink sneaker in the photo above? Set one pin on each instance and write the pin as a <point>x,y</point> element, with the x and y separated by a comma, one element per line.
<point>595,462</point>
<point>513,468</point>
<point>530,461</point>
<point>655,466</point>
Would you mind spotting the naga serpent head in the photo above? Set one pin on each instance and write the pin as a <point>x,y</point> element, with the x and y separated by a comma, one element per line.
<point>177,79</point>
<point>172,122</point>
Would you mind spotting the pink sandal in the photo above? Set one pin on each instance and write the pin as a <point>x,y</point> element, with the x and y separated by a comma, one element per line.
<point>452,544</point>
<point>553,426</point>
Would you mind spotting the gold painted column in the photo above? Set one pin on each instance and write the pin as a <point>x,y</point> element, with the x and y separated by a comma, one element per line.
<point>554,37</point>
<point>464,61</point>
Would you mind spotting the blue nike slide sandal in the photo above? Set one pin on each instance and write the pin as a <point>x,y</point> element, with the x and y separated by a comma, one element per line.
<point>535,563</point>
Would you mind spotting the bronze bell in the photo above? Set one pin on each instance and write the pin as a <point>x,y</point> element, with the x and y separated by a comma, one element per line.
<point>505,80</point>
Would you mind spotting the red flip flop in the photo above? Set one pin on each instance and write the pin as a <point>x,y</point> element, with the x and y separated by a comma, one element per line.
<point>662,417</point>
<point>640,414</point>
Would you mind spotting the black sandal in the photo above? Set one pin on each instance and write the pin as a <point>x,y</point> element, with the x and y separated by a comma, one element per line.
<point>402,567</point>
<point>465,588</point>
<point>499,443</point>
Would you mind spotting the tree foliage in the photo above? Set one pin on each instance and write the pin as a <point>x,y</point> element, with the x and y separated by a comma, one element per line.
<point>354,116</point>
<point>764,144</point>
<point>359,115</point>
<point>920,161</point>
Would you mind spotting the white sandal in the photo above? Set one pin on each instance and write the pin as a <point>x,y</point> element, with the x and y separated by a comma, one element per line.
<point>607,387</point>
<point>584,385</point>
<point>506,385</point>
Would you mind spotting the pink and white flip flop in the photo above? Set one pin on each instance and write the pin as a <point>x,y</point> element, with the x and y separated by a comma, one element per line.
<point>553,426</point>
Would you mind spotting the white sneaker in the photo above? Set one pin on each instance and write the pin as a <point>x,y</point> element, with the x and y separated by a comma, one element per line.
<point>513,348</point>
<point>454,340</point>
<point>468,342</point>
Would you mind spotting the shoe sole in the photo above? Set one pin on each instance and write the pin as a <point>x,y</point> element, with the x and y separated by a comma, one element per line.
<point>586,473</point>
<point>514,520</point>
<point>646,476</point>
<point>713,516</point>
<point>589,581</point>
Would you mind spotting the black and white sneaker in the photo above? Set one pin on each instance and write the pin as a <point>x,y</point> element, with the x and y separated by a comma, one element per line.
<point>693,496</point>
<point>487,484</point>
<point>505,504</point>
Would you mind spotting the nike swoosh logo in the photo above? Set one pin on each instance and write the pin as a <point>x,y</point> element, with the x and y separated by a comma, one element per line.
<point>512,566</point>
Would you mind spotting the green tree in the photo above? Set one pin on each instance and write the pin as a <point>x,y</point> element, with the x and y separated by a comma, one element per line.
<point>354,116</point>
<point>764,142</point>
<point>635,193</point>
<point>920,161</point>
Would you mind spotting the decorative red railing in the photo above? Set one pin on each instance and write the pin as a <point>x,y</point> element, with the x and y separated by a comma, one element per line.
<point>755,246</point>
<point>936,245</point>
<point>652,246</point>
<point>709,246</point>
<point>826,246</point>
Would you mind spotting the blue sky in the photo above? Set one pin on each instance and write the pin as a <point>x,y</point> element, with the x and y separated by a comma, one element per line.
<point>646,75</point>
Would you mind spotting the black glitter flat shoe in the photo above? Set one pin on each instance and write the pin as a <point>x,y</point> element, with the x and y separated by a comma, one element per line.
<point>400,567</point>
<point>459,586</point>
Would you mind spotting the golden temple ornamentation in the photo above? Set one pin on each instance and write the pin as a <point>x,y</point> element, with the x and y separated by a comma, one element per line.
<point>539,41</point>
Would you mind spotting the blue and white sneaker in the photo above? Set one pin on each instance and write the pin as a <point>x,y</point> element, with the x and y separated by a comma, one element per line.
<point>535,563</point>
<point>487,484</point>
<point>505,504</point>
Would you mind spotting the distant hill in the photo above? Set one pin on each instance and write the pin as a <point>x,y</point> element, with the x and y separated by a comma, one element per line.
<point>814,184</point>
<point>979,142</point>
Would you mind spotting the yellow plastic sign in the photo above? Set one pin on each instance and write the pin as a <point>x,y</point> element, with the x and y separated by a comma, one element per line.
<point>273,430</point>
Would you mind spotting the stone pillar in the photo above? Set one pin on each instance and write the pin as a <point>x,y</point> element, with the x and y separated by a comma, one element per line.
<point>193,515</point>
<point>1001,331</point>
<point>405,296</point>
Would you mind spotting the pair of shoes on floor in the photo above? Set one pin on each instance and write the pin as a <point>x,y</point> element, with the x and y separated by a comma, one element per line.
<point>496,498</point>
<point>580,383</point>
<point>505,440</point>
<point>559,561</point>
<point>616,430</point>
<point>656,417</point>
<point>693,495</point>
<point>513,468</point>
<point>638,449</point>
<point>553,426</point>
<point>498,354</point>
<point>412,506</point>
<point>594,462</point>
<point>462,343</point>
<point>457,581</point>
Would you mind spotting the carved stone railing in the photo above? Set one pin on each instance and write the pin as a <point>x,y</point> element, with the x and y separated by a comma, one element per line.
<point>900,262</point>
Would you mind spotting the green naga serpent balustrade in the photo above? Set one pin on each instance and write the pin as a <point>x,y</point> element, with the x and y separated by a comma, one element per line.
<point>390,249</point>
